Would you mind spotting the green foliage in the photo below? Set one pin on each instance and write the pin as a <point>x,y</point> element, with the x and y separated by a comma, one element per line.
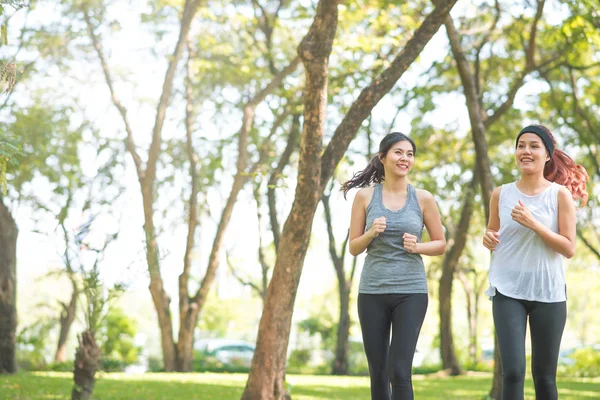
<point>98,298</point>
<point>65,366</point>
<point>322,326</point>
<point>9,149</point>
<point>586,363</point>
<point>223,319</point>
<point>204,362</point>
<point>50,143</point>
<point>116,340</point>
<point>32,343</point>
<point>298,361</point>
<point>155,364</point>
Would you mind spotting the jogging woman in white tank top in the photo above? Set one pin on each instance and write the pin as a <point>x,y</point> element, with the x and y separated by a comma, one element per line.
<point>531,228</point>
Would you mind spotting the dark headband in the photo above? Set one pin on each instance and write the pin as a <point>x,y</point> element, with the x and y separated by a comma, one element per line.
<point>541,132</point>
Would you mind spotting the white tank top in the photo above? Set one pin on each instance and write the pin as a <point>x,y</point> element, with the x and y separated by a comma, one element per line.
<point>523,266</point>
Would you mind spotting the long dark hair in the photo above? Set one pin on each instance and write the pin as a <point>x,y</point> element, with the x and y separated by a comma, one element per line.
<point>563,170</point>
<point>374,172</point>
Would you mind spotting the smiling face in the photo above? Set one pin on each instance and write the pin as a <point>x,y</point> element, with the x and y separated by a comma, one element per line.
<point>530,154</point>
<point>399,159</point>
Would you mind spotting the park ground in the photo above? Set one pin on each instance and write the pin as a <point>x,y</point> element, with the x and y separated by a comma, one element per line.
<point>211,386</point>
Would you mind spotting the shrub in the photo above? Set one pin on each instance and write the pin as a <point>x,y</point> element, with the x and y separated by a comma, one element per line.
<point>586,364</point>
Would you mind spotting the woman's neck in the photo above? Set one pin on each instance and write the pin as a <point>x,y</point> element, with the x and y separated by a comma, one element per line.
<point>397,185</point>
<point>532,183</point>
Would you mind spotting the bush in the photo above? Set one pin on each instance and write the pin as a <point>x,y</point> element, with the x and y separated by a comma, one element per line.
<point>155,364</point>
<point>586,364</point>
<point>65,366</point>
<point>298,362</point>
<point>30,361</point>
<point>481,366</point>
<point>299,359</point>
<point>426,369</point>
<point>357,360</point>
<point>205,362</point>
<point>112,365</point>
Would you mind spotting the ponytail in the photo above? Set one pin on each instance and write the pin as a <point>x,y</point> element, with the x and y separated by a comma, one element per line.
<point>563,170</point>
<point>373,173</point>
<point>560,168</point>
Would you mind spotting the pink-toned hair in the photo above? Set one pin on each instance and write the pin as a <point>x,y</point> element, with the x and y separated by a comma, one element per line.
<point>563,170</point>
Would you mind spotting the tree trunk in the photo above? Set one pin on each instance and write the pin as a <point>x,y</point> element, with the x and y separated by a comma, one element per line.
<point>66,320</point>
<point>147,176</point>
<point>472,303</point>
<point>496,390</point>
<point>473,321</point>
<point>162,302</point>
<point>267,374</point>
<point>481,148</point>
<point>447,351</point>
<point>87,362</point>
<point>185,342</point>
<point>340,363</point>
<point>8,290</point>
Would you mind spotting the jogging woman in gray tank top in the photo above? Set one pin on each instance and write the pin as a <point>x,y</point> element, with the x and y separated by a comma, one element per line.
<point>387,221</point>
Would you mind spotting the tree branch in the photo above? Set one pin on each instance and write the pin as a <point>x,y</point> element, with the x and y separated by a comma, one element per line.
<point>239,278</point>
<point>239,180</point>
<point>529,67</point>
<point>189,10</point>
<point>117,103</point>
<point>482,43</point>
<point>194,160</point>
<point>588,244</point>
<point>380,86</point>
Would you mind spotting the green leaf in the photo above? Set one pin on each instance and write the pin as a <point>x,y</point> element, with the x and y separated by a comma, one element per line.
<point>4,34</point>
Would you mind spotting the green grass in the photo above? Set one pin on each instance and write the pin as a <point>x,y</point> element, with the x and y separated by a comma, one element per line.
<point>209,386</point>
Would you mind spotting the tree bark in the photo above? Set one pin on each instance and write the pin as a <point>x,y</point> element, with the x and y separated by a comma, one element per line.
<point>449,265</point>
<point>67,317</point>
<point>267,372</point>
<point>481,148</point>
<point>8,290</point>
<point>87,362</point>
<point>340,363</point>
<point>472,293</point>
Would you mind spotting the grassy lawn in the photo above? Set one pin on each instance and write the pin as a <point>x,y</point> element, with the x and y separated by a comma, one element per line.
<point>46,386</point>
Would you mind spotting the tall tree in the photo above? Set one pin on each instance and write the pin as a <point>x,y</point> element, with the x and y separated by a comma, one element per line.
<point>45,132</point>
<point>267,373</point>
<point>8,289</point>
<point>177,353</point>
<point>266,380</point>
<point>344,281</point>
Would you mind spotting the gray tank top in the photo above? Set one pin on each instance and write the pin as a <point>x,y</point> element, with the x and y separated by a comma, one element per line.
<point>388,267</point>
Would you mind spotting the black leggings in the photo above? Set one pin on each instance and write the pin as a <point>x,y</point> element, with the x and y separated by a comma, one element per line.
<point>391,362</point>
<point>547,322</point>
